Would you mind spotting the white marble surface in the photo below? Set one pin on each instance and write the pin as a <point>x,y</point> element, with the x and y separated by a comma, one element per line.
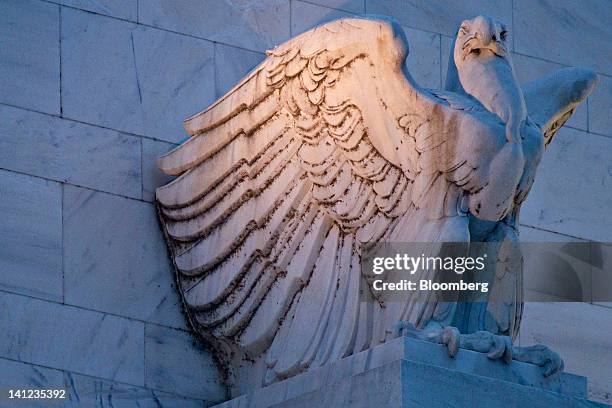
<point>256,25</point>
<point>14,374</point>
<point>352,6</point>
<point>124,9</point>
<point>176,361</point>
<point>569,329</point>
<point>70,152</point>
<point>31,236</point>
<point>84,391</point>
<point>567,31</point>
<point>231,65</point>
<point>82,341</point>
<point>116,261</point>
<point>135,79</point>
<point>87,391</point>
<point>440,16</point>
<point>109,161</point>
<point>305,16</point>
<point>600,107</point>
<point>424,57</point>
<point>30,79</point>
<point>572,188</point>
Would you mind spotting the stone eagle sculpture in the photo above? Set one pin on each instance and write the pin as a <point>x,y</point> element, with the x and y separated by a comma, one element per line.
<point>328,146</point>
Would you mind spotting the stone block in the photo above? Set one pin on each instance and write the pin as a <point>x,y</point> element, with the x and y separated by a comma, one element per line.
<point>528,69</point>
<point>565,31</point>
<point>124,9</point>
<point>133,78</point>
<point>256,25</point>
<point>409,384</point>
<point>17,375</point>
<point>152,176</point>
<point>64,337</point>
<point>115,258</point>
<point>572,187</point>
<point>424,57</point>
<point>352,6</point>
<point>176,362</point>
<point>440,16</point>
<point>600,107</point>
<point>403,372</point>
<point>81,390</point>
<point>94,392</point>
<point>71,152</point>
<point>305,16</point>
<point>579,333</point>
<point>30,55</point>
<point>231,65</point>
<point>31,231</point>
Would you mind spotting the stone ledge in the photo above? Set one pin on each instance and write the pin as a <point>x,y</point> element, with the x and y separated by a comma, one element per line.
<point>381,364</point>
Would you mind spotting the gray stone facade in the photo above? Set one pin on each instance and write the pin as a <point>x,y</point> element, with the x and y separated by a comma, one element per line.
<point>91,92</point>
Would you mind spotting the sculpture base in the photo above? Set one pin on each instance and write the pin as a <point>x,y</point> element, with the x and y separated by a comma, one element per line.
<point>411,373</point>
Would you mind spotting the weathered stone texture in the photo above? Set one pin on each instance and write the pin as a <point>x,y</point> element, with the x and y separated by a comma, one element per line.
<point>600,107</point>
<point>568,329</point>
<point>132,78</point>
<point>305,16</point>
<point>565,31</point>
<point>256,25</point>
<point>85,391</point>
<point>352,6</point>
<point>440,16</point>
<point>176,362</point>
<point>141,67</point>
<point>70,152</point>
<point>573,187</point>
<point>116,261</point>
<point>30,55</point>
<point>124,9</point>
<point>31,236</point>
<point>83,341</point>
<point>424,57</point>
<point>231,65</point>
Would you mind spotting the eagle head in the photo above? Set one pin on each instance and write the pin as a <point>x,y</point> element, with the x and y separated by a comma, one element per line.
<point>480,38</point>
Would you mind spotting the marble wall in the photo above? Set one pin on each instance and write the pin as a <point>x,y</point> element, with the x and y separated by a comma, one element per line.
<point>92,91</point>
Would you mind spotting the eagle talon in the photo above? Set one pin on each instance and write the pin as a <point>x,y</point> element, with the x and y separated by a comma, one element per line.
<point>541,356</point>
<point>495,346</point>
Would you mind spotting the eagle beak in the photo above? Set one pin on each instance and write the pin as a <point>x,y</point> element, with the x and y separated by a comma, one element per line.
<point>486,41</point>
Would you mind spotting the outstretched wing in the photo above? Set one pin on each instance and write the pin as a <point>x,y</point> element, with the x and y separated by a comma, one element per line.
<point>325,146</point>
<point>552,99</point>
